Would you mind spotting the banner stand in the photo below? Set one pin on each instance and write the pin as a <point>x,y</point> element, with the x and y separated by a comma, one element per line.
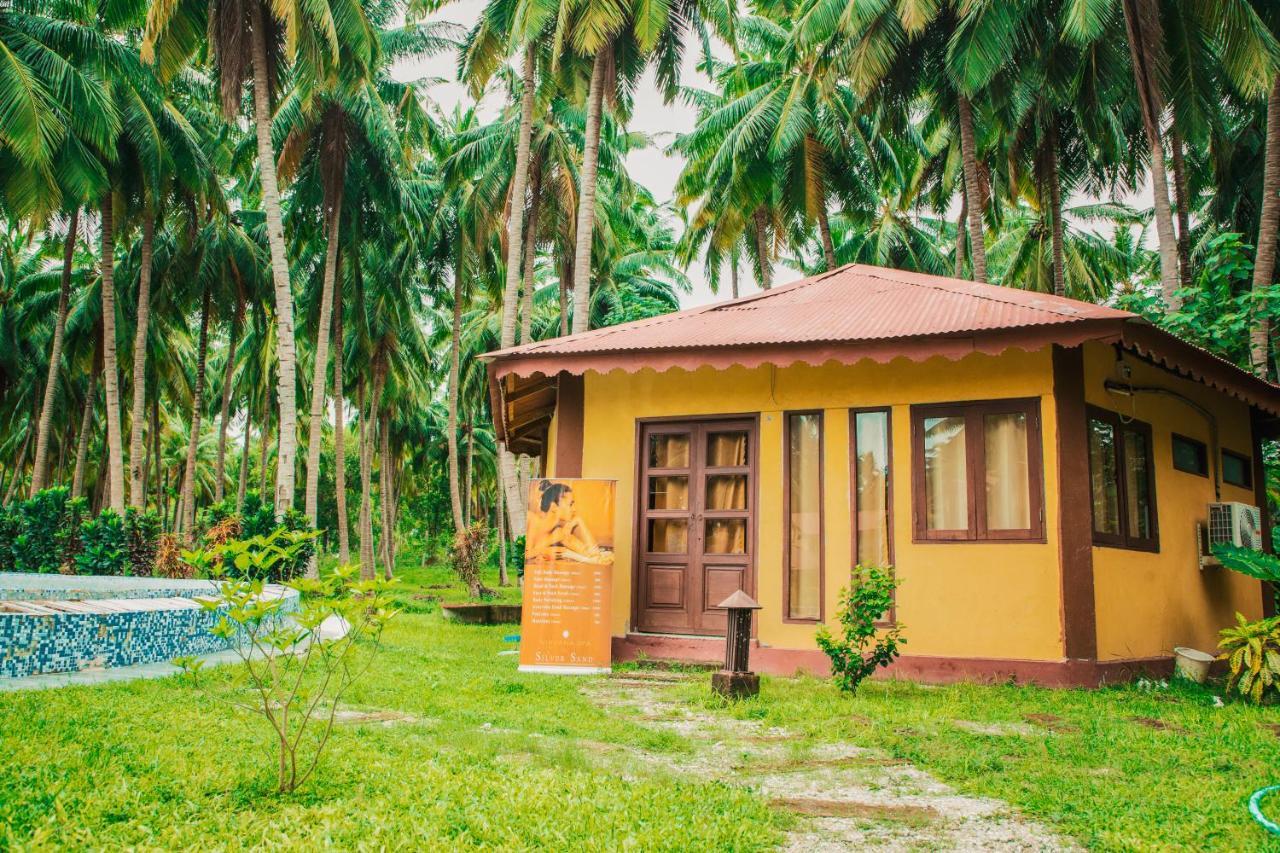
<point>568,577</point>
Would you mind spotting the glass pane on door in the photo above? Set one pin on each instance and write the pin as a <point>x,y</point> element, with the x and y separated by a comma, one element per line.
<point>669,492</point>
<point>668,535</point>
<point>726,449</point>
<point>669,451</point>
<point>726,491</point>
<point>726,536</point>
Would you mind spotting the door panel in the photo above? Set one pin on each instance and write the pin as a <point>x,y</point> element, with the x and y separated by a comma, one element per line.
<point>696,494</point>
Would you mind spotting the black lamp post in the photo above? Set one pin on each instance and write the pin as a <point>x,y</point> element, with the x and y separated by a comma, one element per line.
<point>736,681</point>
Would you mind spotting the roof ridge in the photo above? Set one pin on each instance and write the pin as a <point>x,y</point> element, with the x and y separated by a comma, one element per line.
<point>877,272</point>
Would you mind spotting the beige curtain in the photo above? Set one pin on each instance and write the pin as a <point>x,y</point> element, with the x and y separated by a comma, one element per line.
<point>669,451</point>
<point>872,483</point>
<point>946,474</point>
<point>669,493</point>
<point>727,491</point>
<point>805,516</point>
<point>1008,472</point>
<point>726,536</point>
<point>727,450</point>
<point>668,535</point>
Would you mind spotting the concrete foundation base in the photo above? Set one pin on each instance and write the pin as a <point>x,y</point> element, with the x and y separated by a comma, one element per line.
<point>735,685</point>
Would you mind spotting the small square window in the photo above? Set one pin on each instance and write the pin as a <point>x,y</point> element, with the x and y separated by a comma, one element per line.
<point>1190,455</point>
<point>1237,470</point>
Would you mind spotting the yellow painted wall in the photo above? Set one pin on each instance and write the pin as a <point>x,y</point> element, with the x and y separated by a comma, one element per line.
<point>1147,603</point>
<point>999,600</point>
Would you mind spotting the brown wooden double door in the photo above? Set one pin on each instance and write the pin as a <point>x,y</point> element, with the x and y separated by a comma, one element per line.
<point>697,495</point>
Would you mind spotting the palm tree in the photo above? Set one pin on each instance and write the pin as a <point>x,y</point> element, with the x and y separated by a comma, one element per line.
<point>323,38</point>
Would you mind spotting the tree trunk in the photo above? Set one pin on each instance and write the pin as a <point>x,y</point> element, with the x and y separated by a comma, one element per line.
<point>502,539</point>
<point>319,372</point>
<point>455,345</point>
<point>197,411</point>
<point>469,498</point>
<point>110,373</point>
<point>38,473</point>
<point>368,566</point>
<point>824,228</point>
<point>228,383</point>
<point>566,276</point>
<point>762,248</point>
<point>12,490</point>
<point>264,442</point>
<point>153,455</point>
<point>1268,223</point>
<point>974,206</point>
<point>587,195</point>
<point>1055,204</point>
<point>733,276</point>
<point>340,433</point>
<point>82,443</point>
<point>285,352</point>
<point>961,222</point>
<point>530,255</point>
<point>243,483</point>
<point>362,516</point>
<point>386,497</point>
<point>1142,26</point>
<point>138,412</point>
<point>1181,203</point>
<point>515,222</point>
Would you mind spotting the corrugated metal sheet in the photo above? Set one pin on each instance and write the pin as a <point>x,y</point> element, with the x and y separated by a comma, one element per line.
<point>853,303</point>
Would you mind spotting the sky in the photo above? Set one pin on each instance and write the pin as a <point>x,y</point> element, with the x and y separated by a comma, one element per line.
<point>651,167</point>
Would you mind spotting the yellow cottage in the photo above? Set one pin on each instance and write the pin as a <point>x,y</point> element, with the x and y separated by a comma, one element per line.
<point>1039,472</point>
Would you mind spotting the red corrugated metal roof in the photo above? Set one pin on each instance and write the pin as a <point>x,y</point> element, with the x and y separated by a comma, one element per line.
<point>853,303</point>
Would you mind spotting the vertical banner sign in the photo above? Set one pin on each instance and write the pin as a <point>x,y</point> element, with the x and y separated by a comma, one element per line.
<point>568,577</point>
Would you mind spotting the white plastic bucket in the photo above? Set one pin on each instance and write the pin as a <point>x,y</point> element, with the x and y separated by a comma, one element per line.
<point>1191,664</point>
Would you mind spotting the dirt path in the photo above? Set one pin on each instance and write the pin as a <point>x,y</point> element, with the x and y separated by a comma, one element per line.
<point>847,797</point>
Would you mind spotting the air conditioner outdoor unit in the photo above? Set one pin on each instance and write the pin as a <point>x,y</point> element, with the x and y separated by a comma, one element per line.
<point>1236,524</point>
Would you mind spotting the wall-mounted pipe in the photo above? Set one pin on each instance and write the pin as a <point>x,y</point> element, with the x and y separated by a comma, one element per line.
<point>1125,389</point>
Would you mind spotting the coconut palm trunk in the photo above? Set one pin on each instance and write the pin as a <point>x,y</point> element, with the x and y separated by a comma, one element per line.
<point>368,566</point>
<point>228,384</point>
<point>455,345</point>
<point>386,496</point>
<point>38,472</point>
<point>1055,211</point>
<point>1142,25</point>
<point>197,410</point>
<point>340,433</point>
<point>733,276</point>
<point>320,370</point>
<point>285,347</point>
<point>110,373</point>
<point>973,190</point>
<point>264,444</point>
<point>243,484</point>
<point>762,248</point>
<point>1181,203</point>
<point>515,222</point>
<point>961,221</point>
<point>82,441</point>
<point>587,196</point>
<point>138,411</point>
<point>1268,223</point>
<point>12,490</point>
<point>530,255</point>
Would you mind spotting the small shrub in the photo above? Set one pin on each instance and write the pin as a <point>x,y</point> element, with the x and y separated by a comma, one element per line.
<point>104,546</point>
<point>1252,652</point>
<point>42,534</point>
<point>863,647</point>
<point>169,563</point>
<point>298,670</point>
<point>469,547</point>
<point>143,534</point>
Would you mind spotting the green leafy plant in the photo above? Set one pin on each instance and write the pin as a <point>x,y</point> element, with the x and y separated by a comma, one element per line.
<point>1252,652</point>
<point>104,546</point>
<point>142,531</point>
<point>41,534</point>
<point>299,664</point>
<point>865,644</point>
<point>1255,564</point>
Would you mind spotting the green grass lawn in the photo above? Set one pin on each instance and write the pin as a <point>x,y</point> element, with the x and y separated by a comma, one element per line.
<point>496,758</point>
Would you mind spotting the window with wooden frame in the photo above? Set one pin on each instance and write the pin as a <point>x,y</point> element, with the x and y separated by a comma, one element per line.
<point>977,471</point>
<point>1190,456</point>
<point>1237,469</point>
<point>802,499</point>
<point>871,486</point>
<point>1122,482</point>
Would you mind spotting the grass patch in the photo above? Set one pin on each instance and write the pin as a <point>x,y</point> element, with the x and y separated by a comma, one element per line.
<point>448,745</point>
